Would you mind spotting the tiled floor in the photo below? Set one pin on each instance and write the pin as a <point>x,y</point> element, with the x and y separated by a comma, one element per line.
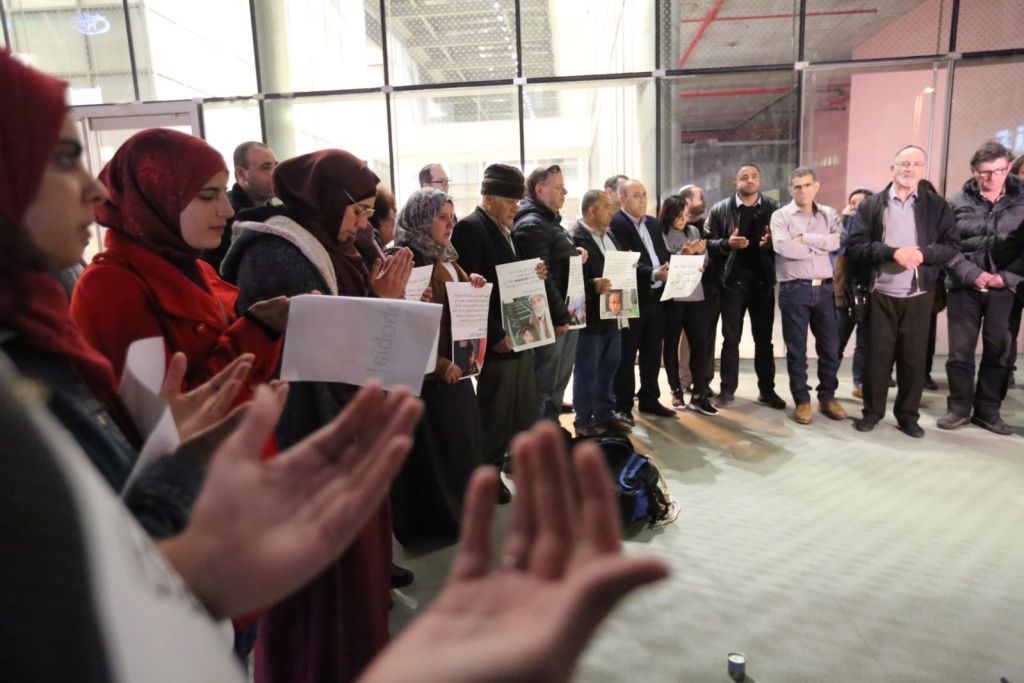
<point>820,552</point>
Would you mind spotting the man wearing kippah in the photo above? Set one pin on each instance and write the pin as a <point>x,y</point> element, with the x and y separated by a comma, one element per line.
<point>506,388</point>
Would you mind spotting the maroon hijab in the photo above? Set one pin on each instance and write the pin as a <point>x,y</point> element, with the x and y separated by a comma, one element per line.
<point>151,179</point>
<point>317,188</point>
<point>31,302</point>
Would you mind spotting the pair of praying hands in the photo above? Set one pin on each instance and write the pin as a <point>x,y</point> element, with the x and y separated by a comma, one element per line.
<point>262,528</point>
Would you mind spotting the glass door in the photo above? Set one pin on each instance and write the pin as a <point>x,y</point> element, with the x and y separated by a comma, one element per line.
<point>104,128</point>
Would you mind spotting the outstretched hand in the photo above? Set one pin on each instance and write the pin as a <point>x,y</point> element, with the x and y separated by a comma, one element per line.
<point>562,571</point>
<point>261,529</point>
<point>204,406</point>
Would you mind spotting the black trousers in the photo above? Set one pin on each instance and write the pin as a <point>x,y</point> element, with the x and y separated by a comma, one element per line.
<point>1018,306</point>
<point>757,299</point>
<point>691,317</point>
<point>972,312</point>
<point>897,330</point>
<point>506,392</point>
<point>644,336</point>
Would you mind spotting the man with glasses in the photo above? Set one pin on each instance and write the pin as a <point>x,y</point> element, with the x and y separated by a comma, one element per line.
<point>538,233</point>
<point>988,208</point>
<point>901,237</point>
<point>433,175</point>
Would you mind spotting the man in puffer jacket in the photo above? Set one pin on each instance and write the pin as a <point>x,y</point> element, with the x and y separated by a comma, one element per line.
<point>982,287</point>
<point>538,233</point>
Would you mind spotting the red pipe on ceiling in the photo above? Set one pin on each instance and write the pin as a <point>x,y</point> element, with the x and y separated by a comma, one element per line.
<point>831,13</point>
<point>738,91</point>
<point>700,31</point>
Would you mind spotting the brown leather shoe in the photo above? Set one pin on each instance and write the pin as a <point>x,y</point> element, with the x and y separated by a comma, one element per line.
<point>615,424</point>
<point>832,409</point>
<point>802,414</point>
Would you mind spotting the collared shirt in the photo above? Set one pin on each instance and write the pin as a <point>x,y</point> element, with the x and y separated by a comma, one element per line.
<point>603,241</point>
<point>900,231</point>
<point>819,232</point>
<point>507,233</point>
<point>645,237</point>
<point>605,244</point>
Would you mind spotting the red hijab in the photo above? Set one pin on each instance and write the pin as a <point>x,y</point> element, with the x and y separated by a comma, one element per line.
<point>151,179</point>
<point>317,188</point>
<point>33,303</point>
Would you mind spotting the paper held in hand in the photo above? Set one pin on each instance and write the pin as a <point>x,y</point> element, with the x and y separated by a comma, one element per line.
<point>684,273</point>
<point>354,340</point>
<point>469,306</point>
<point>623,300</point>
<point>419,278</point>
<point>576,296</point>
<point>144,369</point>
<point>524,305</point>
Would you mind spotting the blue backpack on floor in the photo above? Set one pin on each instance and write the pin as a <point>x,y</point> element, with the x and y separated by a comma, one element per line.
<point>636,481</point>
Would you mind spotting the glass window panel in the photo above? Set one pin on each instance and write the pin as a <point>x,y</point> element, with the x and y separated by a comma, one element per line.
<point>309,45</point>
<point>579,37</point>
<point>715,123</point>
<point>464,130</point>
<point>356,123</point>
<point>193,48</point>
<point>838,30</point>
<point>87,46</point>
<point>228,124</point>
<point>592,132</point>
<point>855,119</point>
<point>990,25</point>
<point>988,104</point>
<point>714,33</point>
<point>438,41</point>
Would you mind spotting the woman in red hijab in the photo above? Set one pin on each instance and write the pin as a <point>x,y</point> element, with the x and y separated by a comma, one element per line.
<point>46,213</point>
<point>166,203</point>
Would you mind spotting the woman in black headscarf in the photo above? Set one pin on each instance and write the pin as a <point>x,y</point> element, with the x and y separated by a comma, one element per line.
<point>427,495</point>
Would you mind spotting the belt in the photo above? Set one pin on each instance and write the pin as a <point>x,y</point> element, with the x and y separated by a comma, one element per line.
<point>816,282</point>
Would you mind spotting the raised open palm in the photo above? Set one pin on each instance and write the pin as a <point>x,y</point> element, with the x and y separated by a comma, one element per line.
<point>562,572</point>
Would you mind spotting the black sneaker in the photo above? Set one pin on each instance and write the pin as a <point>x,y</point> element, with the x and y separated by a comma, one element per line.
<point>678,400</point>
<point>626,417</point>
<point>910,428</point>
<point>863,424</point>
<point>772,400</point>
<point>656,409</point>
<point>724,400</point>
<point>710,393</point>
<point>401,577</point>
<point>994,424</point>
<point>952,420</point>
<point>702,405</point>
<point>930,384</point>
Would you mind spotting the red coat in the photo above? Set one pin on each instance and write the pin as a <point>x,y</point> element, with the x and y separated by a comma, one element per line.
<point>129,292</point>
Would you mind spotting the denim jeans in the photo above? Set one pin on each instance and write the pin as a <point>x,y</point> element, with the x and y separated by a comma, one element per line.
<point>971,312</point>
<point>597,357</point>
<point>847,324</point>
<point>553,367</point>
<point>802,305</point>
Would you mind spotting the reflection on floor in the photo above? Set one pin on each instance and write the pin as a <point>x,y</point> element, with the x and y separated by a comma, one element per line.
<point>820,552</point>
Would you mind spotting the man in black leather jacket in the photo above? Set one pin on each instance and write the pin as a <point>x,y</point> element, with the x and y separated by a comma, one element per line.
<point>739,245</point>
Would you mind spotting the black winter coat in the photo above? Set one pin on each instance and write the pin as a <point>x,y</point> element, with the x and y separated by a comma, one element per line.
<point>538,233</point>
<point>592,269</point>
<point>987,233</point>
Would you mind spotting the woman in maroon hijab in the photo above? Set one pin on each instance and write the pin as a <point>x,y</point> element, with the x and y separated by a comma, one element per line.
<point>166,203</point>
<point>333,628</point>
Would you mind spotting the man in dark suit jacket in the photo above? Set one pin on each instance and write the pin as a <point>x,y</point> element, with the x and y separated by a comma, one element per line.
<point>636,231</point>
<point>599,346</point>
<point>506,390</point>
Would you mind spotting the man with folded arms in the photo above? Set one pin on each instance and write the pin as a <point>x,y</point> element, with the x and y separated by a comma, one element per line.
<point>804,234</point>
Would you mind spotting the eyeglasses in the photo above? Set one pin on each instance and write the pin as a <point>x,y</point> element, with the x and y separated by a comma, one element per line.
<point>440,181</point>
<point>994,173</point>
<point>910,164</point>
<point>360,210</point>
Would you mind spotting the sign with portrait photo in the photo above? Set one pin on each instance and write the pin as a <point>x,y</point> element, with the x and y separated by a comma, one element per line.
<point>623,300</point>
<point>524,305</point>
